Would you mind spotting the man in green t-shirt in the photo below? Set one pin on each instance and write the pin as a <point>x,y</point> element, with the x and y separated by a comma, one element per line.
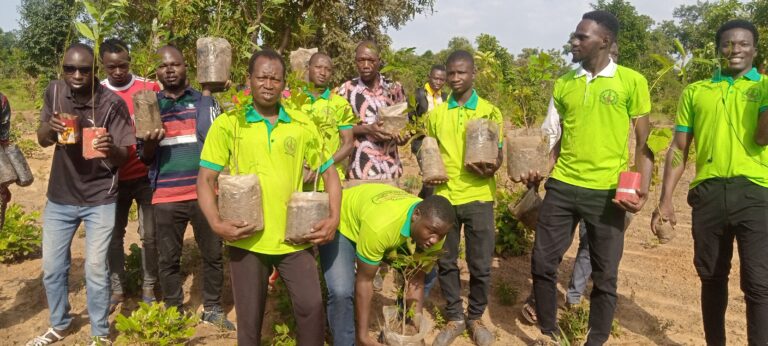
<point>471,190</point>
<point>375,220</point>
<point>597,102</point>
<point>264,138</point>
<point>729,195</point>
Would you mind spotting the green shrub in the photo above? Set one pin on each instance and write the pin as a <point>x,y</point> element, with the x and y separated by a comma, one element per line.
<point>133,277</point>
<point>574,325</point>
<point>506,293</point>
<point>155,325</point>
<point>283,336</point>
<point>21,236</point>
<point>513,238</point>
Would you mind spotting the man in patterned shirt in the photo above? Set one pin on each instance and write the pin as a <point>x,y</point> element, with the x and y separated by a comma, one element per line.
<point>375,155</point>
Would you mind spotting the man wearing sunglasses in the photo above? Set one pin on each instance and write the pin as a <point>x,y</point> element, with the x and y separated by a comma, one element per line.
<point>80,190</point>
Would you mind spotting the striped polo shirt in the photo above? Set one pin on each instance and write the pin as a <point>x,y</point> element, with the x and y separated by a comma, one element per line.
<point>186,121</point>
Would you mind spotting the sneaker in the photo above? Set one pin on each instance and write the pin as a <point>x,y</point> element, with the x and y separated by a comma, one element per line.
<point>216,317</point>
<point>49,337</point>
<point>449,333</point>
<point>115,301</point>
<point>148,295</point>
<point>100,341</point>
<point>480,333</point>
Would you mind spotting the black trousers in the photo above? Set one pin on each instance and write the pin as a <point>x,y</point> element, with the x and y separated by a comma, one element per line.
<point>563,207</point>
<point>171,220</point>
<point>250,275</point>
<point>724,210</point>
<point>479,239</point>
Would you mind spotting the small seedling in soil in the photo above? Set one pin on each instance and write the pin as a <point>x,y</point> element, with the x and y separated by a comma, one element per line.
<point>506,293</point>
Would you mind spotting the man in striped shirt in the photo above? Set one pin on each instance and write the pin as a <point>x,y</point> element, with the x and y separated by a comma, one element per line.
<point>173,156</point>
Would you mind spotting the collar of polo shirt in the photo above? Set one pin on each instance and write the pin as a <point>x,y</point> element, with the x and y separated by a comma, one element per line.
<point>405,231</point>
<point>752,75</point>
<point>471,103</point>
<point>609,71</point>
<point>253,116</point>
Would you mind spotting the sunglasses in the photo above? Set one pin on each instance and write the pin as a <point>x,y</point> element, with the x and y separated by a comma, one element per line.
<point>69,69</point>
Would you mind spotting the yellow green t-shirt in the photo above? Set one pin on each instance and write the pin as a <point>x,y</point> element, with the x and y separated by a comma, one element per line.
<point>722,114</point>
<point>447,124</point>
<point>275,153</point>
<point>332,114</point>
<point>595,118</point>
<point>377,218</point>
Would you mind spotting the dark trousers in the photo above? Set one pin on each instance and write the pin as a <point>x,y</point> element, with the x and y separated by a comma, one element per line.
<point>563,207</point>
<point>479,238</point>
<point>250,275</point>
<point>171,220</point>
<point>128,191</point>
<point>724,209</point>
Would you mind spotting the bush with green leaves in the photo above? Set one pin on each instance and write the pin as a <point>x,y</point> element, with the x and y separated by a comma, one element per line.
<point>283,336</point>
<point>513,238</point>
<point>155,325</point>
<point>133,277</point>
<point>21,236</point>
<point>574,325</point>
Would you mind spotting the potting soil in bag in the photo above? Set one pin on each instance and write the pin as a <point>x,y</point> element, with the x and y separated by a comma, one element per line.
<point>665,232</point>
<point>7,173</point>
<point>20,165</point>
<point>71,128</point>
<point>240,199</point>
<point>482,142</point>
<point>394,118</point>
<point>146,112</point>
<point>305,209</point>
<point>430,161</point>
<point>527,209</point>
<point>393,329</point>
<point>90,134</point>
<point>526,151</point>
<point>214,59</point>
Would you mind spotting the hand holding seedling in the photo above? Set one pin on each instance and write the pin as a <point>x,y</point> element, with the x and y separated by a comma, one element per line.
<point>369,341</point>
<point>483,169</point>
<point>103,143</point>
<point>402,139</point>
<point>376,131</point>
<point>634,205</point>
<point>56,124</point>
<point>233,230</point>
<point>533,178</point>
<point>154,136</point>
<point>665,212</point>
<point>309,174</point>
<point>324,231</point>
<point>436,182</point>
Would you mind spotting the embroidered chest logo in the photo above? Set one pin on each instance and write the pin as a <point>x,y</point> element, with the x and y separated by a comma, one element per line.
<point>390,196</point>
<point>290,146</point>
<point>609,97</point>
<point>752,94</point>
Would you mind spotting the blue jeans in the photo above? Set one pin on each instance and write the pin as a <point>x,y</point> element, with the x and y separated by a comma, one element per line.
<point>59,225</point>
<point>582,268</point>
<point>337,259</point>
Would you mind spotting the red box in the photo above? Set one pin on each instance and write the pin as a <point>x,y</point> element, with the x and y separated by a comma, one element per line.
<point>90,134</point>
<point>629,184</point>
<point>71,128</point>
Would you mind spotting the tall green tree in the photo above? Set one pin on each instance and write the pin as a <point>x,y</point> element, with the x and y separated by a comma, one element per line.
<point>634,34</point>
<point>45,27</point>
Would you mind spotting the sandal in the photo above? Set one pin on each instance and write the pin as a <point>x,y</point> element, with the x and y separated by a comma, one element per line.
<point>529,312</point>
<point>49,337</point>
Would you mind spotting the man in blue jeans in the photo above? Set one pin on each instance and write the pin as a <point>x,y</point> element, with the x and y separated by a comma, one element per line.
<point>80,190</point>
<point>376,219</point>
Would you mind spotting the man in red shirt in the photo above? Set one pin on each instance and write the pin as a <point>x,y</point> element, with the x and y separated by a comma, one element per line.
<point>133,183</point>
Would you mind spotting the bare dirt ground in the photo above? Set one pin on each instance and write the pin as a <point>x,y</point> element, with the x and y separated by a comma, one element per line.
<point>658,287</point>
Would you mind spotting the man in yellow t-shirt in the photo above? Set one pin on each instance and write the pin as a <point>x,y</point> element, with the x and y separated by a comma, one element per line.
<point>729,195</point>
<point>273,142</point>
<point>596,102</point>
<point>375,220</point>
<point>471,191</point>
<point>333,114</point>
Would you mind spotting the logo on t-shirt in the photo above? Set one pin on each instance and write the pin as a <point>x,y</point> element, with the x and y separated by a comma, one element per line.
<point>290,146</point>
<point>753,94</point>
<point>609,97</point>
<point>394,195</point>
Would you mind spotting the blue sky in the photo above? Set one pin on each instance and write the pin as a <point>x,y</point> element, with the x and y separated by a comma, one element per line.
<point>516,23</point>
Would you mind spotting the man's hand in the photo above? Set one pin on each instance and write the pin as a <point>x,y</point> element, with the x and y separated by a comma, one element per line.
<point>153,137</point>
<point>532,178</point>
<point>103,143</point>
<point>309,175</point>
<point>486,170</point>
<point>402,139</point>
<point>376,131</point>
<point>323,231</point>
<point>209,88</point>
<point>233,230</point>
<point>633,206</point>
<point>367,340</point>
<point>664,213</point>
<point>435,182</point>
<point>56,124</point>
